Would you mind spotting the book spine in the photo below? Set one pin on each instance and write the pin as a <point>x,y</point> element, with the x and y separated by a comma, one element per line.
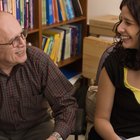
<point>26,24</point>
<point>59,11</point>
<point>22,13</point>
<point>49,11</point>
<point>43,12</point>
<point>5,7</point>
<point>70,10</point>
<point>62,8</point>
<point>18,10</point>
<point>80,7</point>
<point>31,22</point>
<point>55,11</point>
<point>13,4</point>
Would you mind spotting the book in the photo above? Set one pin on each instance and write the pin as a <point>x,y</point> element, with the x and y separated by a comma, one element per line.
<point>44,12</point>
<point>43,41</point>
<point>69,73</point>
<point>60,43</point>
<point>66,50</point>
<point>77,8</point>
<point>74,39</point>
<point>18,10</point>
<point>22,13</point>
<point>62,8</point>
<point>26,14</point>
<point>49,11</point>
<point>56,44</point>
<point>5,7</point>
<point>69,9</point>
<point>81,10</point>
<point>48,38</point>
<point>13,5</point>
<point>79,36</point>
<point>55,11</point>
<point>31,13</point>
<point>50,45</point>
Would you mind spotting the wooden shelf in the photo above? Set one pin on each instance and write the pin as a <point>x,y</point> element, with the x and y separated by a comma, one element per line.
<point>35,35</point>
<point>68,61</point>
<point>78,19</point>
<point>31,31</point>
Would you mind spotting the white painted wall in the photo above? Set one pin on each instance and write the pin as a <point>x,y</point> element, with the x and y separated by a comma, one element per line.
<point>102,7</point>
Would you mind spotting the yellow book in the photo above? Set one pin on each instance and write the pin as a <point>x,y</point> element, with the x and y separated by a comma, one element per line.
<point>56,43</point>
<point>46,44</point>
<point>55,47</point>
<point>13,4</point>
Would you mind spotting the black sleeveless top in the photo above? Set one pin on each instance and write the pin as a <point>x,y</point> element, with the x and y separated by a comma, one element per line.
<point>125,117</point>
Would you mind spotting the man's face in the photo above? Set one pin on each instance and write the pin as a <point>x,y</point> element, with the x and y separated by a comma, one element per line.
<point>12,43</point>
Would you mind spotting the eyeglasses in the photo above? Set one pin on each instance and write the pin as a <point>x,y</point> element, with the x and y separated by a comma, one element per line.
<point>16,41</point>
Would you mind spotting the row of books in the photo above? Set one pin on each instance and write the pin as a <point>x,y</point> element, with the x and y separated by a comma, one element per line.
<point>62,42</point>
<point>54,11</point>
<point>21,9</point>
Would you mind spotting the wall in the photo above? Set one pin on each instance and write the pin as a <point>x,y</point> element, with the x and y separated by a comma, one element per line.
<point>101,7</point>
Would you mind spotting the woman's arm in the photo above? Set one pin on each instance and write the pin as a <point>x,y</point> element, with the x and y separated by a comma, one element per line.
<point>104,103</point>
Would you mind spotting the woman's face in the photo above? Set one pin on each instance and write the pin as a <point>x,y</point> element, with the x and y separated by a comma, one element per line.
<point>128,29</point>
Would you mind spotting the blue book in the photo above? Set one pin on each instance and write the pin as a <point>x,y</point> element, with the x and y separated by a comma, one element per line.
<point>69,73</point>
<point>79,34</point>
<point>49,11</point>
<point>69,9</point>
<point>59,11</point>
<point>18,10</point>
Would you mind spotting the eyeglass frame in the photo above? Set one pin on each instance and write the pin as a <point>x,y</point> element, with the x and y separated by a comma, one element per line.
<point>22,35</point>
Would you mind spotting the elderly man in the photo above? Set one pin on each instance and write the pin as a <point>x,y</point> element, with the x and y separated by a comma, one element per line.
<point>29,79</point>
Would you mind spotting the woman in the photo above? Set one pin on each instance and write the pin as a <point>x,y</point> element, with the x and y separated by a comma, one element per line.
<point>117,113</point>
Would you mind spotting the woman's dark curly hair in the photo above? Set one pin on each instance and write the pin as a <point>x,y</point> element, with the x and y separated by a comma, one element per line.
<point>130,57</point>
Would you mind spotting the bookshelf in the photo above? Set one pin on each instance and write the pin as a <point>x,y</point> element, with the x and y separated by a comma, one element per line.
<point>35,34</point>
